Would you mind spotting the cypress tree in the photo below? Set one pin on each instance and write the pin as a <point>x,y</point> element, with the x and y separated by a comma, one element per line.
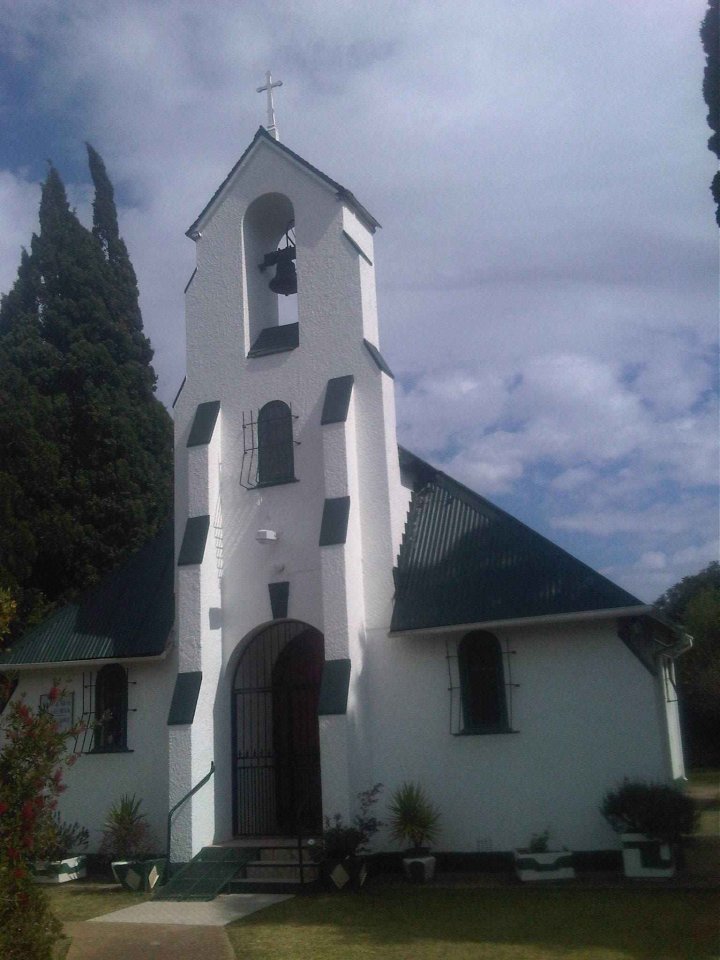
<point>86,472</point>
<point>710,36</point>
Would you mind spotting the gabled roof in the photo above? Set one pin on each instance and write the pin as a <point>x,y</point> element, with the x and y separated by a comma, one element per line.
<point>465,561</point>
<point>129,614</point>
<point>262,135</point>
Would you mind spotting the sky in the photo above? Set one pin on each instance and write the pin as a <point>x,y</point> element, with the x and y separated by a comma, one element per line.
<point>548,263</point>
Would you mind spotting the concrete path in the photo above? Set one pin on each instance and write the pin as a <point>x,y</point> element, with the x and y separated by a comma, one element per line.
<point>165,930</point>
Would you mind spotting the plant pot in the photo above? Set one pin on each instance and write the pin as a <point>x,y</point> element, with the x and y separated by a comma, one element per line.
<point>139,875</point>
<point>60,871</point>
<point>646,857</point>
<point>548,865</point>
<point>419,866</point>
<point>348,873</point>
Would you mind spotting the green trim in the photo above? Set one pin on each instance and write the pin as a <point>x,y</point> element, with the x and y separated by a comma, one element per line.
<point>203,423</point>
<point>278,339</point>
<point>334,688</point>
<point>562,861</point>
<point>356,246</point>
<point>184,698</point>
<point>336,512</point>
<point>337,399</point>
<point>378,358</point>
<point>279,598</point>
<point>192,550</point>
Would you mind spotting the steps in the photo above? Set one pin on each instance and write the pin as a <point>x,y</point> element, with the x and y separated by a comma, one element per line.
<point>263,865</point>
<point>276,869</point>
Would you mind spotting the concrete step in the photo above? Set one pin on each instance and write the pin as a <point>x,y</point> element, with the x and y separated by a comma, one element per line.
<point>279,870</point>
<point>285,854</point>
<point>240,885</point>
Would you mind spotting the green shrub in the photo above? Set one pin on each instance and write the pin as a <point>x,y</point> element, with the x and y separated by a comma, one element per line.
<point>660,811</point>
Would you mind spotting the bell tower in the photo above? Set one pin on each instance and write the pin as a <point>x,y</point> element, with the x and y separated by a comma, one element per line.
<point>288,497</point>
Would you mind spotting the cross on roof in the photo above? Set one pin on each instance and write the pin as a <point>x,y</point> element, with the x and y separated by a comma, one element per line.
<point>269,84</point>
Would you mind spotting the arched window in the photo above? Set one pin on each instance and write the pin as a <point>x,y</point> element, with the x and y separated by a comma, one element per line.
<point>482,684</point>
<point>111,708</point>
<point>275,444</point>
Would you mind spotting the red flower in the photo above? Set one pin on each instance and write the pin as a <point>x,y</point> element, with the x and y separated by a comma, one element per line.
<point>19,873</point>
<point>3,808</point>
<point>53,694</point>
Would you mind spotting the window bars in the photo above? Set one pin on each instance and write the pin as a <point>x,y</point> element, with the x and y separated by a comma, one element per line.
<point>268,446</point>
<point>107,732</point>
<point>456,717</point>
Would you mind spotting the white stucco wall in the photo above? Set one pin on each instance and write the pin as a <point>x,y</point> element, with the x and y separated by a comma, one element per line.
<point>585,714</point>
<point>96,781</point>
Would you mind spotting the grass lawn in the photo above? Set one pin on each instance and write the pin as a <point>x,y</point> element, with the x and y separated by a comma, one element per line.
<point>85,899</point>
<point>704,787</point>
<point>422,923</point>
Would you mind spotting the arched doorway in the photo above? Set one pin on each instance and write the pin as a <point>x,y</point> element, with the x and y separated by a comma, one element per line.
<point>276,745</point>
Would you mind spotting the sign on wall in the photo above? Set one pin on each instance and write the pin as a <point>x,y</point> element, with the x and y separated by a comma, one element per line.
<point>61,709</point>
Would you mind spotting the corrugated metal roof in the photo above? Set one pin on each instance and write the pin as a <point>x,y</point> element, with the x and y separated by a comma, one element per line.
<point>129,614</point>
<point>464,560</point>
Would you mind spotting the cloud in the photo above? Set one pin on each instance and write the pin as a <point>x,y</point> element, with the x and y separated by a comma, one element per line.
<point>547,271</point>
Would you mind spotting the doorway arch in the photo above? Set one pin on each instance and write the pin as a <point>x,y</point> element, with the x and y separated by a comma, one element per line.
<point>276,743</point>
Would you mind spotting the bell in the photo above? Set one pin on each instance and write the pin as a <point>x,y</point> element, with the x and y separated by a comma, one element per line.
<point>285,279</point>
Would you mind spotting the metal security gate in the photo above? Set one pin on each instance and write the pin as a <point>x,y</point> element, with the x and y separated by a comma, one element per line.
<point>276,742</point>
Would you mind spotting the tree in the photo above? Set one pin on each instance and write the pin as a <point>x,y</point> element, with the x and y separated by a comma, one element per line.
<point>710,36</point>
<point>86,473</point>
<point>694,603</point>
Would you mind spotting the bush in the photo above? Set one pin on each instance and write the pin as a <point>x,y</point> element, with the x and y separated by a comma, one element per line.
<point>63,840</point>
<point>413,818</point>
<point>126,834</point>
<point>32,757</point>
<point>660,811</point>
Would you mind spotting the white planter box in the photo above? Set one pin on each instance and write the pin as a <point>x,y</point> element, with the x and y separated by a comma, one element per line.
<point>645,857</point>
<point>60,871</point>
<point>550,865</point>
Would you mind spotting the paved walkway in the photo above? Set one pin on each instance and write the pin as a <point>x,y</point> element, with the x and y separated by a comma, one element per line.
<point>165,930</point>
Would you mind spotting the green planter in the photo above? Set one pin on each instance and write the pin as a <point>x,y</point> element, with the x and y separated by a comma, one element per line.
<point>349,873</point>
<point>645,857</point>
<point>545,865</point>
<point>60,871</point>
<point>139,875</point>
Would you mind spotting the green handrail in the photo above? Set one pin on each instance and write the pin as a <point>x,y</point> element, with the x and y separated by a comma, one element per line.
<point>179,804</point>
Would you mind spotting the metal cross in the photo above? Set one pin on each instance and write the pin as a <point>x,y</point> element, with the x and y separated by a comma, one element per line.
<point>269,84</point>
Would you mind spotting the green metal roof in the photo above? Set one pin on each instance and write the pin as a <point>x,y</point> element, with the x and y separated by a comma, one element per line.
<point>463,560</point>
<point>129,614</point>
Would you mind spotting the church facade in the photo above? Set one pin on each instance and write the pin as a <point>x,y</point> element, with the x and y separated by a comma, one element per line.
<point>344,613</point>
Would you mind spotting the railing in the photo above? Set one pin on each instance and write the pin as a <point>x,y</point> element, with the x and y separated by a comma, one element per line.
<point>180,803</point>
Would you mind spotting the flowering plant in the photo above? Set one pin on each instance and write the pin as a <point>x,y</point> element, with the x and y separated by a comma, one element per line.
<point>33,753</point>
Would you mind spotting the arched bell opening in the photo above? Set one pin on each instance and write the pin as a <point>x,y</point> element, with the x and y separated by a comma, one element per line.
<point>276,740</point>
<point>270,264</point>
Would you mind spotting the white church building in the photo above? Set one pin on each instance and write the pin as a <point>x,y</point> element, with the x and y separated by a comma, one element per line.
<point>331,611</point>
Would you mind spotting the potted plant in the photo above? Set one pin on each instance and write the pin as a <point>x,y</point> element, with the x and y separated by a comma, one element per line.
<point>340,853</point>
<point>414,820</point>
<point>652,820</point>
<point>128,844</point>
<point>60,859</point>
<point>538,862</point>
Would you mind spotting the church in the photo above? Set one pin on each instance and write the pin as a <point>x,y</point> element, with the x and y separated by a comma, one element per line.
<point>329,611</point>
